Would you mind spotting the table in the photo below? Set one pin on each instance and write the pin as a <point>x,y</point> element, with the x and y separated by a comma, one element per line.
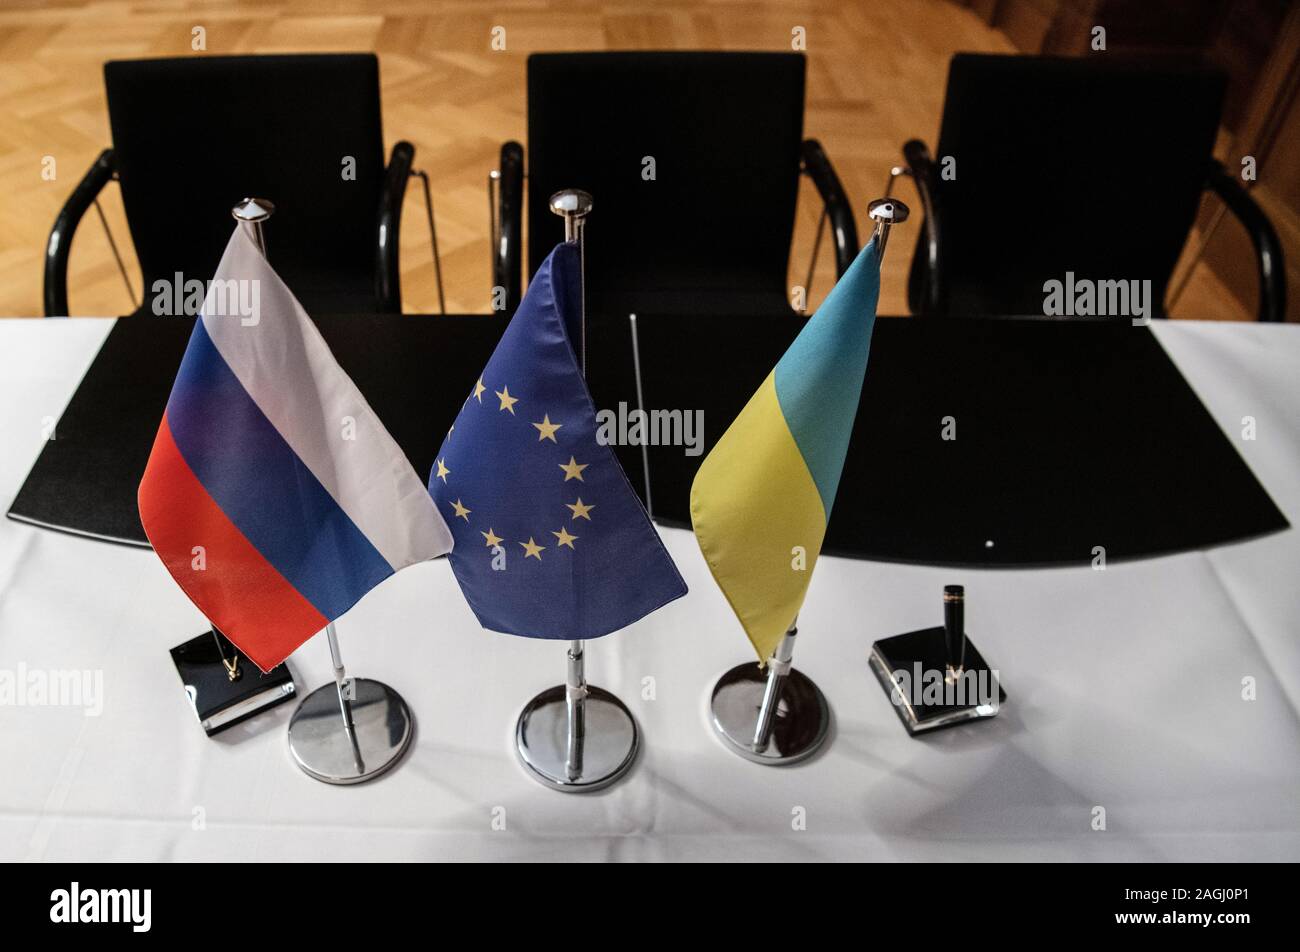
<point>1125,693</point>
<point>1066,434</point>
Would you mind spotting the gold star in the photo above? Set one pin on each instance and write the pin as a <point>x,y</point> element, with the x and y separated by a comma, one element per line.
<point>573,469</point>
<point>546,429</point>
<point>461,510</point>
<point>579,510</point>
<point>564,537</point>
<point>533,549</point>
<point>493,540</point>
<point>478,390</point>
<point>507,402</point>
<point>443,471</point>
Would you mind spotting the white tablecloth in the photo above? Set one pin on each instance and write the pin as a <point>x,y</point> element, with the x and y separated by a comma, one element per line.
<point>1125,693</point>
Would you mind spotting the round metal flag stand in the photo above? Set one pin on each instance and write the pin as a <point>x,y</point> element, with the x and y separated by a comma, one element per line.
<point>574,737</point>
<point>777,717</point>
<point>354,729</point>
<point>349,731</point>
<point>780,716</point>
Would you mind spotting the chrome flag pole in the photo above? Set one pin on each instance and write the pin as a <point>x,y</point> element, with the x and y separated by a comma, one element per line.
<point>780,716</point>
<point>354,729</point>
<point>575,737</point>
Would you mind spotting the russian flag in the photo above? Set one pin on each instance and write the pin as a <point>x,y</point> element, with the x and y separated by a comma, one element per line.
<point>274,495</point>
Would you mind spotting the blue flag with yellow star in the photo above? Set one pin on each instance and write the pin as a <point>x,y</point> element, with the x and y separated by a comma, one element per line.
<point>551,541</point>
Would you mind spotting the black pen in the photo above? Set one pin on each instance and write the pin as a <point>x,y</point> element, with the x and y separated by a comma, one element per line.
<point>954,625</point>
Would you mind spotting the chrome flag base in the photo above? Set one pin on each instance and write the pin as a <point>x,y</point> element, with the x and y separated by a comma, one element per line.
<point>573,737</point>
<point>800,718</point>
<point>333,749</point>
<point>595,758</point>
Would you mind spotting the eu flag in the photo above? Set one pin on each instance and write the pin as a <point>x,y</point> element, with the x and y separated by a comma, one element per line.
<point>550,539</point>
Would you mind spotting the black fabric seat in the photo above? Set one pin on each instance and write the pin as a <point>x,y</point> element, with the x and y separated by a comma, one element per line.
<point>193,136</point>
<point>1093,166</point>
<point>711,232</point>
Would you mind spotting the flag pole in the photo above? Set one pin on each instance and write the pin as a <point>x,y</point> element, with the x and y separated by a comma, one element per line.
<point>780,716</point>
<point>779,667</point>
<point>356,728</point>
<point>575,737</point>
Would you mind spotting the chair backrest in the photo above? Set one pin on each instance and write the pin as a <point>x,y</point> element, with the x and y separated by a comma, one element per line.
<point>712,229</point>
<point>1092,165</point>
<point>193,136</point>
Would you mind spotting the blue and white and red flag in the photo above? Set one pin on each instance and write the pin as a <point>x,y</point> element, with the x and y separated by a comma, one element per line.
<point>274,495</point>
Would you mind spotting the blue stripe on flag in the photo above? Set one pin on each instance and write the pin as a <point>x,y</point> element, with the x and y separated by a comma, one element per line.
<point>264,488</point>
<point>819,379</point>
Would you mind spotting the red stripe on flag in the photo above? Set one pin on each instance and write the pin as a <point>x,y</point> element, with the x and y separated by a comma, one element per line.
<point>239,591</point>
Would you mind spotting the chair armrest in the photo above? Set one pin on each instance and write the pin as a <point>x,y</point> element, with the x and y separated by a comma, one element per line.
<point>817,166</point>
<point>388,274</point>
<point>925,298</point>
<point>59,244</point>
<point>1268,250</point>
<point>507,255</point>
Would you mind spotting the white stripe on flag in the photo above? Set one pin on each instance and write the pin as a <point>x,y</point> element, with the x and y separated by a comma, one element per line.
<point>288,370</point>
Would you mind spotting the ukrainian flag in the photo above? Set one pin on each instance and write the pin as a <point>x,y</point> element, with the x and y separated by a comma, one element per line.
<point>762,497</point>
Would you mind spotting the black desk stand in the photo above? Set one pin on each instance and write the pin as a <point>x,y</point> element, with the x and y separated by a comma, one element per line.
<point>935,677</point>
<point>223,686</point>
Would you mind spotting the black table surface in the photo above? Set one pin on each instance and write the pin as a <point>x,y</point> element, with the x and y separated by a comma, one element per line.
<point>1070,434</point>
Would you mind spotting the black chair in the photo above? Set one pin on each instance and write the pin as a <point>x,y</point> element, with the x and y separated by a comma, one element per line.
<point>1093,166</point>
<point>193,136</point>
<point>711,232</point>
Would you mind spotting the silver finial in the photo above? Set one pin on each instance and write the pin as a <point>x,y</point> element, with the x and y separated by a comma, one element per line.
<point>885,212</point>
<point>573,205</point>
<point>254,211</point>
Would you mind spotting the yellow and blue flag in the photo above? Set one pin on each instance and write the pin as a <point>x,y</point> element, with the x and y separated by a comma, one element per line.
<point>551,541</point>
<point>763,495</point>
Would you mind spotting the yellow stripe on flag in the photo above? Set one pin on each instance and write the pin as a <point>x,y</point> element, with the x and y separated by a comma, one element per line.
<point>752,503</point>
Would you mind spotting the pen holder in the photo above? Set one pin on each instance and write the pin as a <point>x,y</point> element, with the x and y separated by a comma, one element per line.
<point>926,693</point>
<point>224,688</point>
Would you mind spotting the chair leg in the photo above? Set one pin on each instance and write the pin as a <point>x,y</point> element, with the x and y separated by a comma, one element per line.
<point>117,256</point>
<point>812,265</point>
<point>433,236</point>
<point>494,225</point>
<point>894,173</point>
